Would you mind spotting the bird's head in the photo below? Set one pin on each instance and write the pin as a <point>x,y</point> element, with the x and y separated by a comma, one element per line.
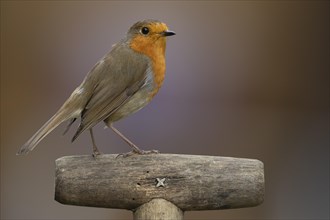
<point>148,36</point>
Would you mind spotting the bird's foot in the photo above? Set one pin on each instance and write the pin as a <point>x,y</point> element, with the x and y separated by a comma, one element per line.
<point>96,154</point>
<point>138,151</point>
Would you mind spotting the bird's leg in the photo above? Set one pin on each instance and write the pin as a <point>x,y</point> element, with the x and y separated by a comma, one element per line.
<point>130,143</point>
<point>96,151</point>
<point>135,149</point>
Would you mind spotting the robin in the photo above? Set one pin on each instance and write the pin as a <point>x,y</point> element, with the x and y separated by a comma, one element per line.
<point>121,83</point>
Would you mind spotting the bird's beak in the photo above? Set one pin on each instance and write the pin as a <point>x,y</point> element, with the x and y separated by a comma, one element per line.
<point>168,33</point>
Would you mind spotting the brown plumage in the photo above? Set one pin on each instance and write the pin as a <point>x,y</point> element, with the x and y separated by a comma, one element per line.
<point>121,83</point>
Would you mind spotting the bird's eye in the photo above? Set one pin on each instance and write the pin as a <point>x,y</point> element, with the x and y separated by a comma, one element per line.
<point>145,30</point>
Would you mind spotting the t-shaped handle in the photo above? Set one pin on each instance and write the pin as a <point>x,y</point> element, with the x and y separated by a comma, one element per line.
<point>190,182</point>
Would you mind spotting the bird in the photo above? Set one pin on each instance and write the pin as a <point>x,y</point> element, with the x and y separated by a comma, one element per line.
<point>122,82</point>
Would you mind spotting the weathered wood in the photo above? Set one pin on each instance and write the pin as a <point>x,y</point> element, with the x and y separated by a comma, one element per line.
<point>158,209</point>
<point>191,182</point>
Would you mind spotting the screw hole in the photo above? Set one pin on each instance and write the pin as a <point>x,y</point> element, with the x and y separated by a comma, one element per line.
<point>133,198</point>
<point>139,184</point>
<point>147,171</point>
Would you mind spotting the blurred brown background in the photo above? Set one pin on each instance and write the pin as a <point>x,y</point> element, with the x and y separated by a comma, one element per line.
<point>244,79</point>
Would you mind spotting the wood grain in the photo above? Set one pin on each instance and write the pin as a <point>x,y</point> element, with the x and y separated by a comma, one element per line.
<point>158,209</point>
<point>192,182</point>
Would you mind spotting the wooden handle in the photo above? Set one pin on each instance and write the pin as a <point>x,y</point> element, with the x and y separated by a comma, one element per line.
<point>158,209</point>
<point>191,182</point>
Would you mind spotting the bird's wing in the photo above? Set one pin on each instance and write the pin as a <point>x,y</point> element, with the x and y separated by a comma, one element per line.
<point>117,77</point>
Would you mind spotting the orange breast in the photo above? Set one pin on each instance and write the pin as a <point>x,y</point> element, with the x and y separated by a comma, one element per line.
<point>155,50</point>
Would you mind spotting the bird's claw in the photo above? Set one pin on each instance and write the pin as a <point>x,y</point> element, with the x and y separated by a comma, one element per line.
<point>96,154</point>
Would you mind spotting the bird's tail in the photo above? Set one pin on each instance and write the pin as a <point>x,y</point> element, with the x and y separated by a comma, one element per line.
<point>49,126</point>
